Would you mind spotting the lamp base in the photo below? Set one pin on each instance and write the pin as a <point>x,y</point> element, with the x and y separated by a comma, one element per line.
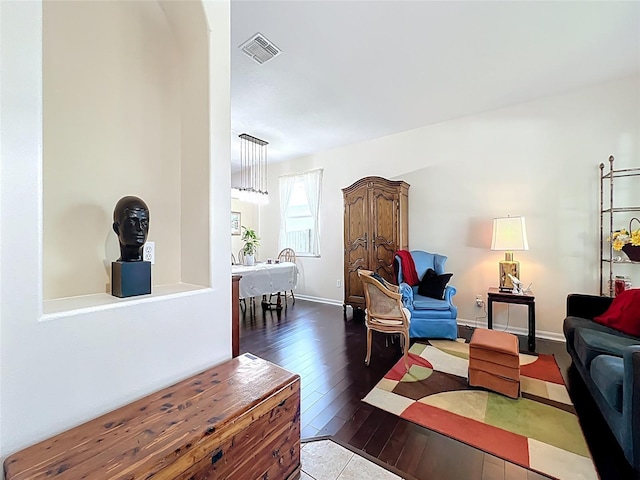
<point>507,267</point>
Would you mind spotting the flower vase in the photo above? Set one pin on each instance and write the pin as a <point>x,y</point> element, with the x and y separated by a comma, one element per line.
<point>249,260</point>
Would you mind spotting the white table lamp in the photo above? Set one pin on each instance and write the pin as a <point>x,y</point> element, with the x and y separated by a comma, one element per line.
<point>509,234</point>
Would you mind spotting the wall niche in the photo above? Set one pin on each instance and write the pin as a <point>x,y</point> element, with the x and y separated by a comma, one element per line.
<point>125,112</point>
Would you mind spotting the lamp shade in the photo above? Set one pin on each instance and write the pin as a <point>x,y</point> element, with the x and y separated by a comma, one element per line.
<point>509,233</point>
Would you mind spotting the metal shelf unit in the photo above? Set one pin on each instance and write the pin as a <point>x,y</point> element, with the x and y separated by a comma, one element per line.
<point>606,254</point>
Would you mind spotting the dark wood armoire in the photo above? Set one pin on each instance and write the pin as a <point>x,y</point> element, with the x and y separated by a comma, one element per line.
<point>376,224</point>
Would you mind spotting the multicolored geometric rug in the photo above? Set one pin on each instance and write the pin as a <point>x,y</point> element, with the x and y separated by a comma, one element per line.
<point>539,431</point>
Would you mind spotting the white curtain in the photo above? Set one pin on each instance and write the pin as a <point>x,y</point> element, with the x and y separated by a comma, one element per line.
<point>286,185</point>
<point>313,188</point>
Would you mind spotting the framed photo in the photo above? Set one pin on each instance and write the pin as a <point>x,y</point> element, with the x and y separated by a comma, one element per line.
<point>235,223</point>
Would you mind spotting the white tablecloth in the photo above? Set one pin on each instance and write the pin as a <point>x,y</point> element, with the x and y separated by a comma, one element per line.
<point>265,278</point>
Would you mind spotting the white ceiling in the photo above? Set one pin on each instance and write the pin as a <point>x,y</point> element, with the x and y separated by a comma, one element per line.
<point>351,71</point>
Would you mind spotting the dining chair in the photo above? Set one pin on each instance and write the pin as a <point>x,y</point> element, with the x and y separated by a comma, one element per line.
<point>384,312</point>
<point>252,300</point>
<point>287,255</point>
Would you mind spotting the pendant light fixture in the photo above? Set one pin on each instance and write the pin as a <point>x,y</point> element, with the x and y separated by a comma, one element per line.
<point>253,171</point>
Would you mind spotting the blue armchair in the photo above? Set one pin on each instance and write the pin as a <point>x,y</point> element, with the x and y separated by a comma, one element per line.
<point>430,317</point>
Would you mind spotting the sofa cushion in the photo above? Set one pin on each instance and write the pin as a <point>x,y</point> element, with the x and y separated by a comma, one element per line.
<point>589,344</point>
<point>607,373</point>
<point>421,302</point>
<point>432,285</point>
<point>624,313</point>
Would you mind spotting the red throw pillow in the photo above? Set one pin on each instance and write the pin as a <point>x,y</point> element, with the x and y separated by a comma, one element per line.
<point>624,313</point>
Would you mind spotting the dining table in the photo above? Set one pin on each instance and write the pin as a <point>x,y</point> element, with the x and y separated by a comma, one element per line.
<point>265,279</point>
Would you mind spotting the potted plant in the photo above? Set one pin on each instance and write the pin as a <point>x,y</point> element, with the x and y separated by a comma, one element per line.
<point>251,244</point>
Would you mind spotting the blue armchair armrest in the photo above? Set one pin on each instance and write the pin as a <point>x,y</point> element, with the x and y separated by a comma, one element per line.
<point>449,292</point>
<point>407,295</point>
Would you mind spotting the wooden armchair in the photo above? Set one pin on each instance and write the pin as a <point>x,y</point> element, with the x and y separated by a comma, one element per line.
<point>384,312</point>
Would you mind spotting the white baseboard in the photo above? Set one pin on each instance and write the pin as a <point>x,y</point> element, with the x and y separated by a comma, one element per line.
<point>556,337</point>
<point>328,301</point>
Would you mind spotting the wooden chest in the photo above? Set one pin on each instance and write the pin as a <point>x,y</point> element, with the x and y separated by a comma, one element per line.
<point>239,420</point>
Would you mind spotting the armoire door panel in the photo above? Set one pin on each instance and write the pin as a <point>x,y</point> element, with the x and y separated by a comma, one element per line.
<point>356,243</point>
<point>384,205</point>
<point>383,262</point>
<point>385,217</point>
<point>355,291</point>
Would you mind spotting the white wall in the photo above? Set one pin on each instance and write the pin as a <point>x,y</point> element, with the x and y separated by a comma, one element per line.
<point>58,373</point>
<point>539,159</point>
<point>249,217</point>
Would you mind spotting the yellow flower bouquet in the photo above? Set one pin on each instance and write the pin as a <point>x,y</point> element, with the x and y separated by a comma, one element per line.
<point>628,241</point>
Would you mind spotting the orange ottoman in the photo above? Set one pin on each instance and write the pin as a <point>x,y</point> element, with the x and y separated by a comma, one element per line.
<point>494,362</point>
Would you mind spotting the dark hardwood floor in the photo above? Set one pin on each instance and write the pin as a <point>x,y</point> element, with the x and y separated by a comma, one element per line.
<point>313,340</point>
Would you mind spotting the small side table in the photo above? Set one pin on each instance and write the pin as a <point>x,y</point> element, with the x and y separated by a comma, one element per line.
<point>495,295</point>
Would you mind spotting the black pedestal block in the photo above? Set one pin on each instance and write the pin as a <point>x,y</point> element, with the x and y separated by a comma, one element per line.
<point>129,279</point>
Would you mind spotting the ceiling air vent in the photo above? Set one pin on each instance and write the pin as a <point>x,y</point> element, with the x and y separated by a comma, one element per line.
<point>260,49</point>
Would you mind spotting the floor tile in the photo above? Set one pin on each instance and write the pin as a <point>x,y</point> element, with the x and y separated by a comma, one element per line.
<point>324,460</point>
<point>359,468</point>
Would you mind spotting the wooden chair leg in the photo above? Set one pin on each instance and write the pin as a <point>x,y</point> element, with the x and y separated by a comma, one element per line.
<point>404,340</point>
<point>294,298</point>
<point>368,358</point>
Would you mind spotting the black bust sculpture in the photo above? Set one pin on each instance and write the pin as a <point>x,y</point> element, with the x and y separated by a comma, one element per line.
<point>131,224</point>
<point>130,275</point>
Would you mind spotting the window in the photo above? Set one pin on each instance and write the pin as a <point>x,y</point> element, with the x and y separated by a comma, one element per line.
<point>300,212</point>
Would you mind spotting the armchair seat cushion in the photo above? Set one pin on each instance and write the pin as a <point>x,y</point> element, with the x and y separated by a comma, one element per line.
<point>421,302</point>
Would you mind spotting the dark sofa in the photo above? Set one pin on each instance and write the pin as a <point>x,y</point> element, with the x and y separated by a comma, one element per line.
<point>609,363</point>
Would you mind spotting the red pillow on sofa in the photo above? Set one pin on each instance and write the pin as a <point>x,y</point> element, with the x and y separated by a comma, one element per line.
<point>624,313</point>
